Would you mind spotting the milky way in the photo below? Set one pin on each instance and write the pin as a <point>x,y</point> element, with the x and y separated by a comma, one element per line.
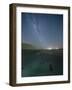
<point>36,31</point>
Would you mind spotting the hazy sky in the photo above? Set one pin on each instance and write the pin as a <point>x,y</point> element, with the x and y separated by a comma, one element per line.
<point>42,30</point>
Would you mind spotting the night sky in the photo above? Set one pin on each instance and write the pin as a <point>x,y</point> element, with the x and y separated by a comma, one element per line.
<point>42,30</point>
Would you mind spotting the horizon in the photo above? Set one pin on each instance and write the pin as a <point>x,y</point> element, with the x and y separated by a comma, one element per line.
<point>49,48</point>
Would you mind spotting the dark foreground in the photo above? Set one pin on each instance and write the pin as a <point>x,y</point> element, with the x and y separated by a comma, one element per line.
<point>42,62</point>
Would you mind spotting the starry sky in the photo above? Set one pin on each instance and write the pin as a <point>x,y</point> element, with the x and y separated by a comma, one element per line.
<point>42,30</point>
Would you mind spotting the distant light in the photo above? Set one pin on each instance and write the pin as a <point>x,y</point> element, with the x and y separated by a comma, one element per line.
<point>49,48</point>
<point>56,48</point>
<point>52,48</point>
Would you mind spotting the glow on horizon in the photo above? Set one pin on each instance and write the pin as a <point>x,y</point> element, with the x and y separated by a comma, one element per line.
<point>51,48</point>
<point>56,48</point>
